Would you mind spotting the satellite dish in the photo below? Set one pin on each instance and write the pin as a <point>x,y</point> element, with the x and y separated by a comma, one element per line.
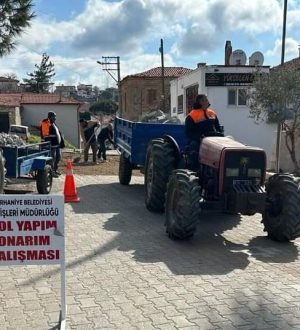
<point>257,58</point>
<point>238,57</point>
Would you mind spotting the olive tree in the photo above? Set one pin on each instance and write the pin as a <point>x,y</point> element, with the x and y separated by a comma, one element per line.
<point>275,98</point>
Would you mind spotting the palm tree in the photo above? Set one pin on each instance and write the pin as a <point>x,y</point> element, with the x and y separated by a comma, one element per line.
<point>15,16</point>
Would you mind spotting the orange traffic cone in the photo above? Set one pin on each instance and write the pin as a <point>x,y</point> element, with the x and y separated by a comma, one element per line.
<point>70,192</point>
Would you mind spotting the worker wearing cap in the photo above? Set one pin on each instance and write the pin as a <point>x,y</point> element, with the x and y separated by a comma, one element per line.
<point>50,132</point>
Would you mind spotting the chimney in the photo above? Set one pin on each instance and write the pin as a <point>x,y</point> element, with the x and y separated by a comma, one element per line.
<point>228,51</point>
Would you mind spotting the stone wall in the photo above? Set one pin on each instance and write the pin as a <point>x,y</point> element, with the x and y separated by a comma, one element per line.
<point>134,93</point>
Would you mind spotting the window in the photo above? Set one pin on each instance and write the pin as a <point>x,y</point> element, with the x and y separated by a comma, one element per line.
<point>180,104</point>
<point>191,93</point>
<point>151,96</point>
<point>237,97</point>
<point>242,97</point>
<point>232,97</point>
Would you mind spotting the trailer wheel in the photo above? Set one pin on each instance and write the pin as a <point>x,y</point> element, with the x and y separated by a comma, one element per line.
<point>2,173</point>
<point>44,180</point>
<point>160,162</point>
<point>281,218</point>
<point>125,170</point>
<point>182,204</point>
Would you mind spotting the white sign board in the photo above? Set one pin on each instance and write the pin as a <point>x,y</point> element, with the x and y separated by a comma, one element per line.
<point>32,233</point>
<point>31,230</point>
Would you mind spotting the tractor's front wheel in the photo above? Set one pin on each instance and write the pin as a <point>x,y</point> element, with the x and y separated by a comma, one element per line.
<point>2,173</point>
<point>182,204</point>
<point>281,218</point>
<point>160,162</point>
<point>44,180</point>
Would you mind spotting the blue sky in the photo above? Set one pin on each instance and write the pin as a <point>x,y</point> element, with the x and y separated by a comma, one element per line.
<point>77,33</point>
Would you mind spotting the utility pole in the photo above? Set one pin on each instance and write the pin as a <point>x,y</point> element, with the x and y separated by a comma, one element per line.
<point>161,49</point>
<point>278,141</point>
<point>112,63</point>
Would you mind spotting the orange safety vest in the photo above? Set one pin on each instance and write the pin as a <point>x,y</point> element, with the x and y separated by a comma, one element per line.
<point>45,127</point>
<point>203,115</point>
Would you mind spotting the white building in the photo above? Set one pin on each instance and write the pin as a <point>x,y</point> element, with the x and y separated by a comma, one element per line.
<point>225,87</point>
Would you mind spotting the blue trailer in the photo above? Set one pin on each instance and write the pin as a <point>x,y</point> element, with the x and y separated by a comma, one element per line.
<point>31,161</point>
<point>141,143</point>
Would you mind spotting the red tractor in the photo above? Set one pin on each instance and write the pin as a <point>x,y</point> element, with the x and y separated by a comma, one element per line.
<point>230,177</point>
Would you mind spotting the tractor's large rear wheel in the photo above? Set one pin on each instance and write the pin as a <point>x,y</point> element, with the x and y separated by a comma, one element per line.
<point>182,204</point>
<point>282,214</point>
<point>160,162</point>
<point>2,173</point>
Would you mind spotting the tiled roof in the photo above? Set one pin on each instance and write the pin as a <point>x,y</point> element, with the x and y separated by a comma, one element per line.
<point>31,98</point>
<point>294,61</point>
<point>10,100</point>
<point>169,72</point>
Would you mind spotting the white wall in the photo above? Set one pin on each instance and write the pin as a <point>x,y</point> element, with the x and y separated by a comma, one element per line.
<point>67,118</point>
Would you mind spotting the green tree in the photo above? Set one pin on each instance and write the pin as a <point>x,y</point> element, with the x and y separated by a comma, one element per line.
<point>275,97</point>
<point>40,79</point>
<point>105,95</point>
<point>15,16</point>
<point>105,107</point>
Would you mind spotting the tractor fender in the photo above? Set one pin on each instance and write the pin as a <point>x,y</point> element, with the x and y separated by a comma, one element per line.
<point>172,141</point>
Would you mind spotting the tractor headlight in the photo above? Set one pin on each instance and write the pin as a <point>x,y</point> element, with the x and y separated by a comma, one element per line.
<point>232,171</point>
<point>254,172</point>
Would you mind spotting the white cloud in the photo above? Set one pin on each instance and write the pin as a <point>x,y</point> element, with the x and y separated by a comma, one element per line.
<point>291,48</point>
<point>129,28</point>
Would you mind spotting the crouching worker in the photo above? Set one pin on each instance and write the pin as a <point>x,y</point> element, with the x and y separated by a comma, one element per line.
<point>87,133</point>
<point>105,134</point>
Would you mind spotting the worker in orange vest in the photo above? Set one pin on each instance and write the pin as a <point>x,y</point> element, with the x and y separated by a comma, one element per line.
<point>50,132</point>
<point>200,122</point>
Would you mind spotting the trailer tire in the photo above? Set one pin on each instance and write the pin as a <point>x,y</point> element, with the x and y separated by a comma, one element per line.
<point>182,204</point>
<point>281,218</point>
<point>2,173</point>
<point>125,170</point>
<point>44,180</point>
<point>160,162</point>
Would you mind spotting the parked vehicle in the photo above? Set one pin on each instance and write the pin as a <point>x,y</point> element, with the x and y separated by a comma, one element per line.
<point>230,177</point>
<point>31,161</point>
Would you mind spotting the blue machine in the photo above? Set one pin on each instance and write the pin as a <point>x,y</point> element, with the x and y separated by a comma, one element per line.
<point>133,138</point>
<point>32,161</point>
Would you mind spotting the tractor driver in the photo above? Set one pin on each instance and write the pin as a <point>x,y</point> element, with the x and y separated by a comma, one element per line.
<point>200,122</point>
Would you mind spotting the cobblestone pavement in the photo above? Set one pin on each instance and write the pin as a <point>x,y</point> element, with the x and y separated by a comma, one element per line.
<point>124,273</point>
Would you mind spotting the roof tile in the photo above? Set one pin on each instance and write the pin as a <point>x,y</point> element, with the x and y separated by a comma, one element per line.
<point>169,72</point>
<point>16,99</point>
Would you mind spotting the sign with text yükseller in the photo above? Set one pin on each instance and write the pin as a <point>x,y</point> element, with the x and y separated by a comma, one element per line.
<point>31,230</point>
<point>228,79</point>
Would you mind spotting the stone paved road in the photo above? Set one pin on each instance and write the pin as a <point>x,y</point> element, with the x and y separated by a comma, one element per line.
<point>124,273</point>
